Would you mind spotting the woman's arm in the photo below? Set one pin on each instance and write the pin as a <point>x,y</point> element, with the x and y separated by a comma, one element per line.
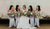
<point>8,13</point>
<point>21,12</point>
<point>15,14</point>
<point>39,13</point>
<point>34,12</point>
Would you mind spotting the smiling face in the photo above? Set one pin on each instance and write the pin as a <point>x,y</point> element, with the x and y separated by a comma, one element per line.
<point>24,7</point>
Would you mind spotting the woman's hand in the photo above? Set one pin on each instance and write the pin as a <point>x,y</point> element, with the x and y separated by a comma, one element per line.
<point>21,12</point>
<point>15,14</point>
<point>35,17</point>
<point>34,14</point>
<point>18,16</point>
<point>9,15</point>
<point>30,16</point>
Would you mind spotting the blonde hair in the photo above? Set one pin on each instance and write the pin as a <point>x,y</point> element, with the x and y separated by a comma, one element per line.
<point>24,6</point>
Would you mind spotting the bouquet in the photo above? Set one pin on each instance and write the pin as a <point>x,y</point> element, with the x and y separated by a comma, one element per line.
<point>18,13</point>
<point>36,15</point>
<point>12,14</point>
<point>25,13</point>
<point>30,13</point>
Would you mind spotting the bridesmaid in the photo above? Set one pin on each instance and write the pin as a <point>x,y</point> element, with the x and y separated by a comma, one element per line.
<point>16,16</point>
<point>31,17</point>
<point>11,19</point>
<point>37,18</point>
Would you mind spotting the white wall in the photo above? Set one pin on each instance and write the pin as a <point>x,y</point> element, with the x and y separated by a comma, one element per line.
<point>5,4</point>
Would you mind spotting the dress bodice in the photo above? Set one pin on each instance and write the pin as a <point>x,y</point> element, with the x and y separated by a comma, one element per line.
<point>24,10</point>
<point>37,12</point>
<point>15,11</point>
<point>31,11</point>
<point>10,14</point>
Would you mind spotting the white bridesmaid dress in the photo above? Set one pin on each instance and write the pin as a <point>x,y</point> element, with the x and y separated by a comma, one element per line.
<point>37,19</point>
<point>24,22</point>
<point>17,18</point>
<point>32,20</point>
<point>11,20</point>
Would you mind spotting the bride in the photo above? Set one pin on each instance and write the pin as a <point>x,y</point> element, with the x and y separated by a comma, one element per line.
<point>24,21</point>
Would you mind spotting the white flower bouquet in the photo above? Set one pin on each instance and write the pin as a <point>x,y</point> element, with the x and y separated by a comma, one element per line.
<point>36,15</point>
<point>25,13</point>
<point>30,13</point>
<point>12,14</point>
<point>18,13</point>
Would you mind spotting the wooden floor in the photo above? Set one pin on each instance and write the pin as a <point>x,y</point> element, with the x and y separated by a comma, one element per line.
<point>42,26</point>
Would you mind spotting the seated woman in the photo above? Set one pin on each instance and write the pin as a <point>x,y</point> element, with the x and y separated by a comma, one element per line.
<point>37,14</point>
<point>31,15</point>
<point>24,21</point>
<point>11,16</point>
<point>17,14</point>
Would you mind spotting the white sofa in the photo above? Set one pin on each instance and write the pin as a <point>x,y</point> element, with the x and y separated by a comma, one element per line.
<point>3,16</point>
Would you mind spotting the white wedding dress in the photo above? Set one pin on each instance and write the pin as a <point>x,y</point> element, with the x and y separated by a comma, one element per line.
<point>24,23</point>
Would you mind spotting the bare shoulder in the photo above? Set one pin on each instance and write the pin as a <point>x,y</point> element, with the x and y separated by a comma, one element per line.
<point>33,10</point>
<point>20,10</point>
<point>14,10</point>
<point>8,10</point>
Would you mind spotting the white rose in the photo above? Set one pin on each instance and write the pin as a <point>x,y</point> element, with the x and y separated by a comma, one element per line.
<point>25,12</point>
<point>12,15</point>
<point>18,13</point>
<point>31,13</point>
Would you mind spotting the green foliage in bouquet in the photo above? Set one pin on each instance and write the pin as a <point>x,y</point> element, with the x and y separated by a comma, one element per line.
<point>30,13</point>
<point>19,13</point>
<point>36,15</point>
<point>12,14</point>
<point>25,13</point>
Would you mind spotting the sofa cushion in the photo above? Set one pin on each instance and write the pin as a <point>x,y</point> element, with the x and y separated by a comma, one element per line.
<point>43,14</point>
<point>41,18</point>
<point>4,17</point>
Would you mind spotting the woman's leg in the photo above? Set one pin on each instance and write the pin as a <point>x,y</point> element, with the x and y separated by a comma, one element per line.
<point>17,20</point>
<point>14,22</point>
<point>11,22</point>
<point>32,22</point>
<point>35,21</point>
<point>38,22</point>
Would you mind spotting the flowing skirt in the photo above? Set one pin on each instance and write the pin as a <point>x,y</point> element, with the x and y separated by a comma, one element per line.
<point>24,23</point>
